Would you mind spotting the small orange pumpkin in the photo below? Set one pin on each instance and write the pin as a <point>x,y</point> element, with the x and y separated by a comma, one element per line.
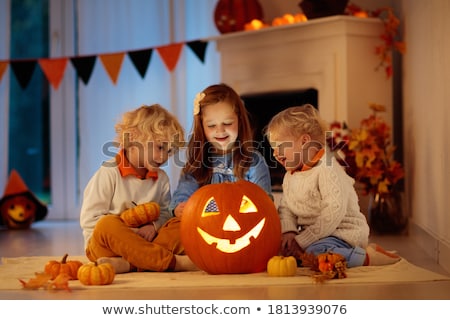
<point>141,214</point>
<point>96,274</point>
<point>326,261</point>
<point>55,268</point>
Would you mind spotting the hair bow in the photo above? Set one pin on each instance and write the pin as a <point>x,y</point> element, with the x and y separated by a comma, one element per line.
<point>199,97</point>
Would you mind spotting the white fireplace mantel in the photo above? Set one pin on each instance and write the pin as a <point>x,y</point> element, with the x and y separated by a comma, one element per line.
<point>334,55</point>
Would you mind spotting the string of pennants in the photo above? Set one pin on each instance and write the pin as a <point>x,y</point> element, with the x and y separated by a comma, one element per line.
<point>54,68</point>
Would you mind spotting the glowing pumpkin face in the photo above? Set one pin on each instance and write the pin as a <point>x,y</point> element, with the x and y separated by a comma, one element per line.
<point>230,228</point>
<point>18,212</point>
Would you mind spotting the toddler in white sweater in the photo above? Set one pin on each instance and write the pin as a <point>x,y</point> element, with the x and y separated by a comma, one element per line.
<point>319,209</point>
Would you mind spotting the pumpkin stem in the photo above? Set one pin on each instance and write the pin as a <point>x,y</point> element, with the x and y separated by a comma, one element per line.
<point>63,260</point>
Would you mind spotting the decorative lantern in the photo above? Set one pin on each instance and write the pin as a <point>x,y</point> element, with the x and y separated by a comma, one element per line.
<point>230,228</point>
<point>233,15</point>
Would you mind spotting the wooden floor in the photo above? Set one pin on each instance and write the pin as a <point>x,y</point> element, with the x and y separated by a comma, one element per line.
<point>51,238</point>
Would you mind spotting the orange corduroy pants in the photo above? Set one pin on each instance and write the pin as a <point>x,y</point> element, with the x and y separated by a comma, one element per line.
<point>113,238</point>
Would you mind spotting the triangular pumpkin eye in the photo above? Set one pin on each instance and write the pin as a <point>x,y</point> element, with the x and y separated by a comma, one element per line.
<point>211,208</point>
<point>247,205</point>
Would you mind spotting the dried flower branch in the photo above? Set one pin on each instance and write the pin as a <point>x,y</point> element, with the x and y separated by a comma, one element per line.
<point>368,153</point>
<point>389,36</point>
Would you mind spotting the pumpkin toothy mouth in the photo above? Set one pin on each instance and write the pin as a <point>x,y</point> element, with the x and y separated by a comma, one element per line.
<point>18,222</point>
<point>226,246</point>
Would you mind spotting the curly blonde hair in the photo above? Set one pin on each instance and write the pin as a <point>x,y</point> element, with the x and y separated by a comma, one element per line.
<point>295,121</point>
<point>150,123</point>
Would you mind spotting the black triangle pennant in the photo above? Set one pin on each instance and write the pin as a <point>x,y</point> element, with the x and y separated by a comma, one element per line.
<point>141,60</point>
<point>84,66</point>
<point>23,70</point>
<point>199,48</point>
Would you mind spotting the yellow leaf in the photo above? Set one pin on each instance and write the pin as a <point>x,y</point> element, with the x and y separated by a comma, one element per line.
<point>383,186</point>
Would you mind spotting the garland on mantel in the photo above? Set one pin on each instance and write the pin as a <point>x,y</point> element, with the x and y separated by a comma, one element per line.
<point>54,68</point>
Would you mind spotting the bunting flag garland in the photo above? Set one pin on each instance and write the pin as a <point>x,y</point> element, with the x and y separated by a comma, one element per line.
<point>170,54</point>
<point>84,67</point>
<point>112,63</point>
<point>3,66</point>
<point>199,48</point>
<point>141,60</point>
<point>23,70</point>
<point>54,68</point>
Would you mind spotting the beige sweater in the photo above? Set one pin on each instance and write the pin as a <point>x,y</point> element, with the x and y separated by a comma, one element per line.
<point>109,193</point>
<point>322,202</point>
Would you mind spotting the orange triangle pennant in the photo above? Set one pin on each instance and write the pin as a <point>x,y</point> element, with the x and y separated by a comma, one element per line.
<point>170,54</point>
<point>112,63</point>
<point>54,70</point>
<point>3,66</point>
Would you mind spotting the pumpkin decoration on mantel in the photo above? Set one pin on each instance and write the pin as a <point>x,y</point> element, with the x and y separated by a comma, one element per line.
<point>230,228</point>
<point>233,15</point>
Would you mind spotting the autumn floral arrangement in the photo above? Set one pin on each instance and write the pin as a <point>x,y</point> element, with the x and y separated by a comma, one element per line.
<point>367,152</point>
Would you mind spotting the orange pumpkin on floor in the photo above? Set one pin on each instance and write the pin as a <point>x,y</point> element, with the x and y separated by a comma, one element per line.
<point>55,268</point>
<point>331,265</point>
<point>230,228</point>
<point>96,274</point>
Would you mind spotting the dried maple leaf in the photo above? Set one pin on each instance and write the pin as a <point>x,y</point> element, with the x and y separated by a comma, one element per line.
<point>308,260</point>
<point>60,282</point>
<point>41,280</point>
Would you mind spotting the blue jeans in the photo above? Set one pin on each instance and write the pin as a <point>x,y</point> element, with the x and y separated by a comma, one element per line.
<point>354,256</point>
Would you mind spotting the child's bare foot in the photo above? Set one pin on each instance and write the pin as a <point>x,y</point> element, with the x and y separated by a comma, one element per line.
<point>377,256</point>
<point>119,264</point>
<point>184,263</point>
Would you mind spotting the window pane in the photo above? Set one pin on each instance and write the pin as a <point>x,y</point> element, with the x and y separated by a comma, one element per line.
<point>29,143</point>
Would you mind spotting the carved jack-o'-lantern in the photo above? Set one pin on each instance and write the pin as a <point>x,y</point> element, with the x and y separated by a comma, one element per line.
<point>18,212</point>
<point>230,228</point>
<point>19,207</point>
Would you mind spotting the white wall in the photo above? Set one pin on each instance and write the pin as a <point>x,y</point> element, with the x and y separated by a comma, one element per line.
<point>426,95</point>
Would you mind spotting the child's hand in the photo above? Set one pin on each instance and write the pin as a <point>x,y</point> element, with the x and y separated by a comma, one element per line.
<point>148,232</point>
<point>290,247</point>
<point>178,211</point>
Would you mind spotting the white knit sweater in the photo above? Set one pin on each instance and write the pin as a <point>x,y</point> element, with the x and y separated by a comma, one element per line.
<point>109,193</point>
<point>322,202</point>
